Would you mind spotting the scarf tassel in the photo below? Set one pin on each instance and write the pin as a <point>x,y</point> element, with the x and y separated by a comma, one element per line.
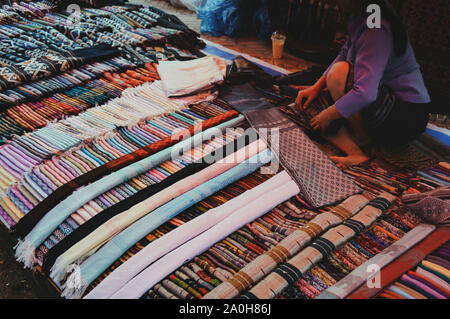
<point>25,253</point>
<point>75,286</point>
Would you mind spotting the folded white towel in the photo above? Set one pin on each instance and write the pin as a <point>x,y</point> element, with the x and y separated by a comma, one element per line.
<point>185,77</point>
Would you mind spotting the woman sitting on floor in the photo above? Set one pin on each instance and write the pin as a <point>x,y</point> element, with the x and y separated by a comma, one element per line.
<point>376,83</point>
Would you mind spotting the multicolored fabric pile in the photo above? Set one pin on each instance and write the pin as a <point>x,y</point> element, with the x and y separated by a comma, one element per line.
<point>116,190</point>
<point>49,43</point>
<point>220,266</point>
<point>430,280</point>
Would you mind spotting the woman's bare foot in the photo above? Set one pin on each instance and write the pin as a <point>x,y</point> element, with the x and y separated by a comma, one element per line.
<point>349,161</point>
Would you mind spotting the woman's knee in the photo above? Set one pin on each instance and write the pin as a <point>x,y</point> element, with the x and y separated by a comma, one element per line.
<point>337,79</point>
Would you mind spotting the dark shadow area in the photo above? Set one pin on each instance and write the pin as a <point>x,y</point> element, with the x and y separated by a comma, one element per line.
<point>17,282</point>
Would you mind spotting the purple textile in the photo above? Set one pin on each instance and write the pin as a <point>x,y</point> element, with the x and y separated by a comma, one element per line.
<point>6,218</point>
<point>424,287</point>
<point>436,288</point>
<point>439,261</point>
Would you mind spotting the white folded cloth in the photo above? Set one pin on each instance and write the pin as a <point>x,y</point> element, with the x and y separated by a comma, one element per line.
<point>185,77</point>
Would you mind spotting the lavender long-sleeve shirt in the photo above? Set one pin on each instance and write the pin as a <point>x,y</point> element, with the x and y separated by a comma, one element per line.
<point>372,53</point>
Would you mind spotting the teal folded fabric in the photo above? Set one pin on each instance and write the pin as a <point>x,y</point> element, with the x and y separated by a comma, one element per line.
<point>25,249</point>
<point>400,292</point>
<point>89,270</point>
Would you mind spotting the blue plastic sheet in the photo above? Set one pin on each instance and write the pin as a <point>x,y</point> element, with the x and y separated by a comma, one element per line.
<point>219,17</point>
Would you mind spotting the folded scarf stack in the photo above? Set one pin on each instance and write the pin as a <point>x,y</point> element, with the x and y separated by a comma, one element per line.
<point>430,280</point>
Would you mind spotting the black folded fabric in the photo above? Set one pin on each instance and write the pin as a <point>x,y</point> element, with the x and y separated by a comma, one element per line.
<point>171,21</point>
<point>96,52</point>
<point>243,71</point>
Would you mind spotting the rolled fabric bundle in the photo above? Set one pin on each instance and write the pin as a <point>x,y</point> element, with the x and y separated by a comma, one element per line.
<point>90,269</point>
<point>292,244</point>
<point>441,193</point>
<point>359,276</point>
<point>25,248</point>
<point>292,270</point>
<point>88,245</point>
<point>164,266</point>
<point>160,247</point>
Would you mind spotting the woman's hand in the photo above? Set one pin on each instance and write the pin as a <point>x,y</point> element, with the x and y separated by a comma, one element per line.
<point>322,120</point>
<point>310,94</point>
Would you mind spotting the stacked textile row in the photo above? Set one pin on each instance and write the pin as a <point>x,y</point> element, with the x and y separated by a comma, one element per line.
<point>71,78</point>
<point>167,168</point>
<point>118,130</point>
<point>52,43</point>
<point>142,217</point>
<point>227,257</point>
<point>145,191</point>
<point>41,52</point>
<point>37,44</point>
<point>31,149</point>
<point>73,97</point>
<point>433,176</point>
<point>109,197</point>
<point>430,280</point>
<point>374,177</point>
<point>53,174</point>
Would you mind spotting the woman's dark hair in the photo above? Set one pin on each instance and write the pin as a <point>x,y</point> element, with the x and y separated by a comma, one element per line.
<point>400,36</point>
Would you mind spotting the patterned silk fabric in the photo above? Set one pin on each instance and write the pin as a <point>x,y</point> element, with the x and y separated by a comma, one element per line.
<point>320,181</point>
<point>49,221</point>
<point>99,210</point>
